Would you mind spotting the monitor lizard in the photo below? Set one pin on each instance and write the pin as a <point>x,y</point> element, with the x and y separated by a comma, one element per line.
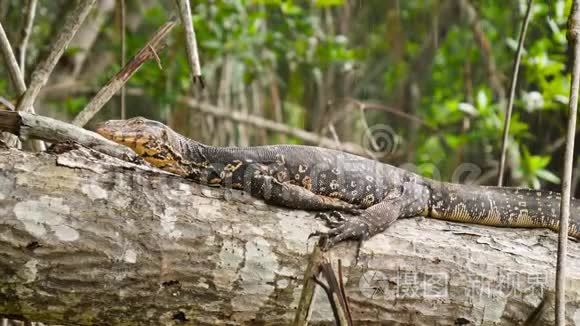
<point>326,180</point>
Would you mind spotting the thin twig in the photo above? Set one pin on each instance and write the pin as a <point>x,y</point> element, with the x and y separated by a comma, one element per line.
<point>343,293</point>
<point>11,63</point>
<point>573,40</point>
<point>26,31</point>
<point>190,41</point>
<point>514,81</point>
<point>123,53</point>
<point>115,83</point>
<point>334,287</point>
<point>156,57</point>
<point>42,71</point>
<point>330,297</point>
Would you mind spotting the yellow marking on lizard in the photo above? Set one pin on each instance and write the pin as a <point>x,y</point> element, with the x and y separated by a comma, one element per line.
<point>307,183</point>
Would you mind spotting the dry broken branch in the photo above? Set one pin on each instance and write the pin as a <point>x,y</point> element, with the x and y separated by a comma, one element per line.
<point>32,126</point>
<point>190,41</point>
<point>147,52</point>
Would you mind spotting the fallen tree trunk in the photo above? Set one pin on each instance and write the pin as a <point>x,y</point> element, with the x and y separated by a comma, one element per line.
<point>90,239</point>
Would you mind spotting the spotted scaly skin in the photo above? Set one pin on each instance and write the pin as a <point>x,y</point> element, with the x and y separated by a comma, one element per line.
<point>314,178</point>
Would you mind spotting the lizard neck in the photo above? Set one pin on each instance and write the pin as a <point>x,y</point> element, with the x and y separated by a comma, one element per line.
<point>191,150</point>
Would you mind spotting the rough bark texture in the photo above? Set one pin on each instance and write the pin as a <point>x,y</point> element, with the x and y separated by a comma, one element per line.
<point>88,239</point>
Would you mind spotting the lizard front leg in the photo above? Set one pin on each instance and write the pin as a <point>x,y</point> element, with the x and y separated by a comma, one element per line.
<point>377,218</point>
<point>293,196</point>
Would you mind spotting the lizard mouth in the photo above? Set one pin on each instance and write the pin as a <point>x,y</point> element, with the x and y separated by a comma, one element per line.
<point>104,131</point>
<point>129,138</point>
<point>121,132</point>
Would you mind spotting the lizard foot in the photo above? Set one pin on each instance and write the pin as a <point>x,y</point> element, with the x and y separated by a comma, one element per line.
<point>373,220</point>
<point>355,228</point>
<point>333,219</point>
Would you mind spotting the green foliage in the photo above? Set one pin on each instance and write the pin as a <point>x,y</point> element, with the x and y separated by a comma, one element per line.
<point>74,105</point>
<point>541,96</point>
<point>532,169</point>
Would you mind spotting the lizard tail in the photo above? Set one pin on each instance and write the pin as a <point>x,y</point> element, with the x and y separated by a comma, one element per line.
<point>501,206</point>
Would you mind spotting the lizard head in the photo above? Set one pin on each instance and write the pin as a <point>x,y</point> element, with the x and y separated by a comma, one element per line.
<point>153,141</point>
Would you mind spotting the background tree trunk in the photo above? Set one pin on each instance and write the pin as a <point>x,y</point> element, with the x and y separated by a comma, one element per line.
<point>85,238</point>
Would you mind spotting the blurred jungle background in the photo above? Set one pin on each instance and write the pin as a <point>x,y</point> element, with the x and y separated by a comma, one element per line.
<point>409,82</point>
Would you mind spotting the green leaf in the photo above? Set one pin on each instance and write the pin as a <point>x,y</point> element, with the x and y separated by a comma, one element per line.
<point>328,3</point>
<point>290,9</point>
<point>548,176</point>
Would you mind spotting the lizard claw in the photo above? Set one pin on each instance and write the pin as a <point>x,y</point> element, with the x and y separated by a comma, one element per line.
<point>333,219</point>
<point>353,229</point>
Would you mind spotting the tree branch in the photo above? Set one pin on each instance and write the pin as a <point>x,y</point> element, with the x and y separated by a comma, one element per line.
<point>514,82</point>
<point>27,125</point>
<point>184,9</point>
<point>574,41</point>
<point>115,83</point>
<point>11,63</point>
